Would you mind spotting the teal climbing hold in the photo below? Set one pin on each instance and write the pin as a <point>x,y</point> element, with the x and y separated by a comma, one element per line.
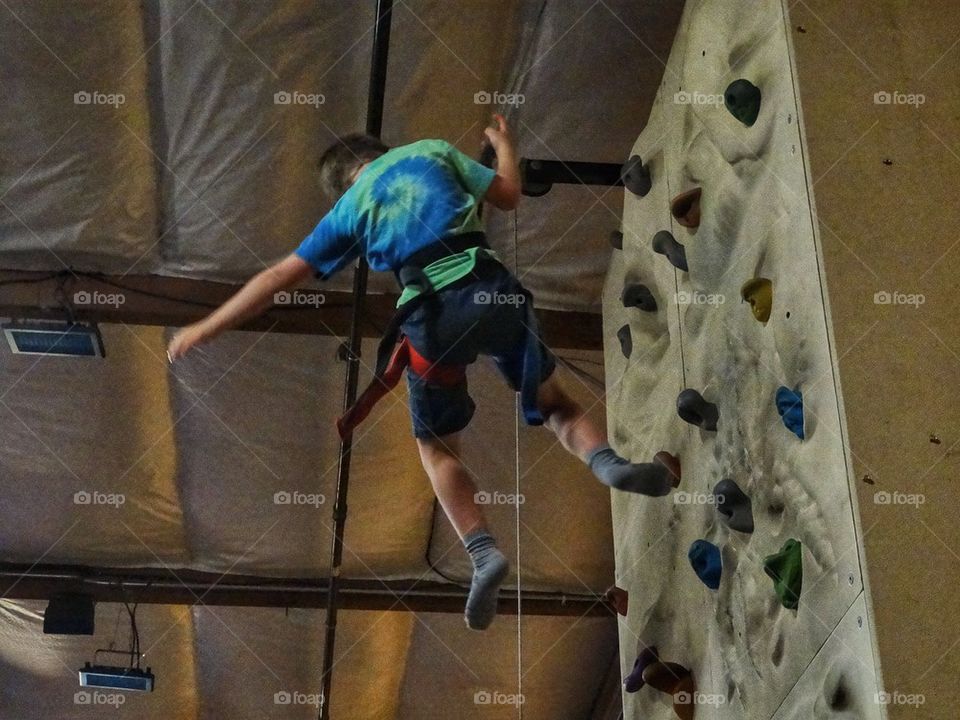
<point>790,407</point>
<point>785,568</point>
<point>706,562</point>
<point>743,99</point>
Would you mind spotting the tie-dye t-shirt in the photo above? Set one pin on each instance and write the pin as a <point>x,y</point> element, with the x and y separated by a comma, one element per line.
<point>406,199</point>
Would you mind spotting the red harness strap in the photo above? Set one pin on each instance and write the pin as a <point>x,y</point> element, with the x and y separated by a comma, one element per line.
<point>403,356</point>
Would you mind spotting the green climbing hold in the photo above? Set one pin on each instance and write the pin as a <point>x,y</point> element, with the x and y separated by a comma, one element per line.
<point>742,99</point>
<point>785,568</point>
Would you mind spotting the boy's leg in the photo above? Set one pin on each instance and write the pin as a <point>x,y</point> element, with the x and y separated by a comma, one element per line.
<point>578,434</point>
<point>456,492</point>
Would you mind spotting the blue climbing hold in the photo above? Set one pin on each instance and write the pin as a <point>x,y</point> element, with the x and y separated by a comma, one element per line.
<point>790,407</point>
<point>705,559</point>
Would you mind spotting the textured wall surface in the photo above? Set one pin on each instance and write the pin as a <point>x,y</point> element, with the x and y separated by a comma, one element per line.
<point>747,652</point>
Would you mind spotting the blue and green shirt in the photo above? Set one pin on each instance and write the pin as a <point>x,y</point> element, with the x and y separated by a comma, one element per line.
<point>410,197</point>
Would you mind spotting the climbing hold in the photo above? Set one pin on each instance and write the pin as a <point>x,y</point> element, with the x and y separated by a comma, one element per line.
<point>734,506</point>
<point>759,293</point>
<point>634,681</point>
<point>785,568</point>
<point>790,407</point>
<point>742,99</point>
<point>685,208</point>
<point>636,176</point>
<point>675,680</point>
<point>616,239</point>
<point>626,341</point>
<point>666,244</point>
<point>672,463</point>
<point>705,558</point>
<point>617,598</point>
<point>639,296</point>
<point>693,409</point>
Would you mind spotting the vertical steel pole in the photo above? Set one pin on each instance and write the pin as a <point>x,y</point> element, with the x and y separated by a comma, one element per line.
<point>378,82</point>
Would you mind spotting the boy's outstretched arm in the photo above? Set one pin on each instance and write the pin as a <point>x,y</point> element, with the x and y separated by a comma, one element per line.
<point>249,302</point>
<point>504,191</point>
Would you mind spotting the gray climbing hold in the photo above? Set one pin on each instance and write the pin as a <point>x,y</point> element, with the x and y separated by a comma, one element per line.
<point>616,239</point>
<point>666,244</point>
<point>639,296</point>
<point>743,99</point>
<point>693,409</point>
<point>734,506</point>
<point>685,208</point>
<point>626,341</point>
<point>636,176</point>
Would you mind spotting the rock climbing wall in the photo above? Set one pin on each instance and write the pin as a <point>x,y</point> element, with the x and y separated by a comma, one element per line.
<point>751,230</point>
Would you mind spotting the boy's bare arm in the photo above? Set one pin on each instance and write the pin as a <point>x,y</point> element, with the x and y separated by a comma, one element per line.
<point>504,191</point>
<point>249,302</point>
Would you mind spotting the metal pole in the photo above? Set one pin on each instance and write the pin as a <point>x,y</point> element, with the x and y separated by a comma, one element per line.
<point>375,97</point>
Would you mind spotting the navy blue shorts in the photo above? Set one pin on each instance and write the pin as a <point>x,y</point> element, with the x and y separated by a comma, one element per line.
<point>484,313</point>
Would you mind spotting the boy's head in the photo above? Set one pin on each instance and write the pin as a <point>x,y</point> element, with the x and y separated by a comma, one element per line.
<point>341,162</point>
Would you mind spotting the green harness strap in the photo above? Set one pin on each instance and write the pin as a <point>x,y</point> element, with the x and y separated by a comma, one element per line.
<point>446,271</point>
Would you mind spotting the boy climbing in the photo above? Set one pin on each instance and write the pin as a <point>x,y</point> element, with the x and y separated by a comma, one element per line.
<point>414,210</point>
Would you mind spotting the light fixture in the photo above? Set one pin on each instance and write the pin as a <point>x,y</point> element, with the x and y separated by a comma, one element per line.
<point>64,339</point>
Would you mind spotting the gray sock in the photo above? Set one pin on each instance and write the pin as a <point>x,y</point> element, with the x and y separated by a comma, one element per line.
<point>643,478</point>
<point>489,570</point>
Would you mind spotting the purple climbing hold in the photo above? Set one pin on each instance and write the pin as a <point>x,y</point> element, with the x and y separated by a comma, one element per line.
<point>636,176</point>
<point>626,341</point>
<point>639,296</point>
<point>790,407</point>
<point>706,562</point>
<point>634,681</point>
<point>693,409</point>
<point>666,244</point>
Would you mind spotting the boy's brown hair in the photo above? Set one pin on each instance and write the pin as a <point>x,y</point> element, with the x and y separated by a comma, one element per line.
<point>341,160</point>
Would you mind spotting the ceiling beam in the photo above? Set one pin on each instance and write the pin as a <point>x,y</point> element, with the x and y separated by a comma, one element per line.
<point>174,302</point>
<point>188,587</point>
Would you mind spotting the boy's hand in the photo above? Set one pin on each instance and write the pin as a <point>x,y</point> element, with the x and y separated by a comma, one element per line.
<point>184,339</point>
<point>498,134</point>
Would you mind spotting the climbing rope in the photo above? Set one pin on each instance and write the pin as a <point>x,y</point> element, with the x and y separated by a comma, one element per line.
<point>516,503</point>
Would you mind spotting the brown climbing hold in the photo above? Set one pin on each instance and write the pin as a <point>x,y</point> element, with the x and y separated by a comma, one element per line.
<point>617,598</point>
<point>759,293</point>
<point>675,680</point>
<point>685,208</point>
<point>672,463</point>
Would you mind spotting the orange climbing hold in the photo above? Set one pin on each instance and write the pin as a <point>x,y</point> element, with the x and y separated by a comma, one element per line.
<point>685,208</point>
